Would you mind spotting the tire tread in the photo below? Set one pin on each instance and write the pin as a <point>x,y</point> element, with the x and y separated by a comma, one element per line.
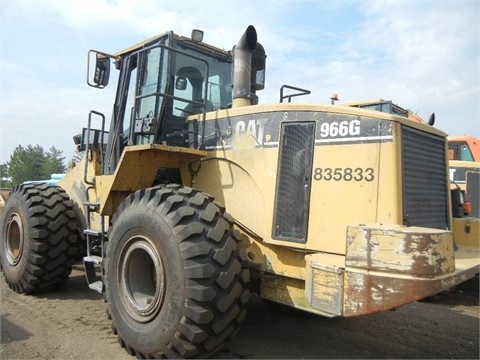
<point>54,238</point>
<point>216,284</point>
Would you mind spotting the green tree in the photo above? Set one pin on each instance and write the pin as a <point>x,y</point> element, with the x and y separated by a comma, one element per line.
<point>54,163</point>
<point>32,163</point>
<point>5,181</point>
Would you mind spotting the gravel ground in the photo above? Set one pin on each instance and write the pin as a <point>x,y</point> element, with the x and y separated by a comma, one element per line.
<point>71,323</point>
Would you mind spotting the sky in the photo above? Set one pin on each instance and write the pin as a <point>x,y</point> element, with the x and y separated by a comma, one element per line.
<point>422,55</point>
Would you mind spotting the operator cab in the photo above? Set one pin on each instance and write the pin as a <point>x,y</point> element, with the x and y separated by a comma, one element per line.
<point>464,148</point>
<point>162,81</point>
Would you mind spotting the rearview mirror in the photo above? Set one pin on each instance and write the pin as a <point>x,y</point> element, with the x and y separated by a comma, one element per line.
<point>102,71</point>
<point>181,83</point>
<point>99,77</point>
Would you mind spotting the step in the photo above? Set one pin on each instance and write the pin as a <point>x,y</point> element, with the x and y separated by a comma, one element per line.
<point>97,286</point>
<point>97,260</point>
<point>92,232</point>
<point>94,281</point>
<point>92,205</point>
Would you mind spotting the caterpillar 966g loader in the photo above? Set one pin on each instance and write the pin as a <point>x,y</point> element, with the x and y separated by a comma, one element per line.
<point>198,195</point>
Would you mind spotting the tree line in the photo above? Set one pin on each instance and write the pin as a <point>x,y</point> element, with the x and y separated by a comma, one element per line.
<point>31,163</point>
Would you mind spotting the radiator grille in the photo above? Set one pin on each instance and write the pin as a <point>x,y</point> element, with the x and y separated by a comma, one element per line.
<point>292,197</point>
<point>424,180</point>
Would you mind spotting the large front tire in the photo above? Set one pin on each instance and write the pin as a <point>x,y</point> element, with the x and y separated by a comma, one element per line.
<point>174,280</point>
<point>39,238</point>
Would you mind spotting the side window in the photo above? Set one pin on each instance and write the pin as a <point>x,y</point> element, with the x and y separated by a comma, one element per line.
<point>465,153</point>
<point>151,83</point>
<point>183,89</point>
<point>129,115</point>
<point>225,89</point>
<point>217,93</point>
<point>214,95</point>
<point>190,82</point>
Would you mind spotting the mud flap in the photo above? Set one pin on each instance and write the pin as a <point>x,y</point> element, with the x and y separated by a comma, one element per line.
<point>324,283</point>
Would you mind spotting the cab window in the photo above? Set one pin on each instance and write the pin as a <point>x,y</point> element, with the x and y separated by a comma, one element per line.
<point>459,150</point>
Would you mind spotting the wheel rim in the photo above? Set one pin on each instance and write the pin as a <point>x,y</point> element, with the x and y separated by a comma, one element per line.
<point>14,239</point>
<point>141,279</point>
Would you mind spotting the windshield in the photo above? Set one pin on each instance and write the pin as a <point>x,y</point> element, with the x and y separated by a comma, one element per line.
<point>387,107</point>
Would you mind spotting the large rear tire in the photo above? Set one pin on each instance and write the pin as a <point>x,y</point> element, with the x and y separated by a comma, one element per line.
<point>39,238</point>
<point>174,280</point>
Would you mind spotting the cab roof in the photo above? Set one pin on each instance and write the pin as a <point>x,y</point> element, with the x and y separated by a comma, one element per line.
<point>204,46</point>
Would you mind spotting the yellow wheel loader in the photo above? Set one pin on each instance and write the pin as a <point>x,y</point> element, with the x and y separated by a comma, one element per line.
<point>198,195</point>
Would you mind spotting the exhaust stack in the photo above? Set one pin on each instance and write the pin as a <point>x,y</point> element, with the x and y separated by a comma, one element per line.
<point>242,68</point>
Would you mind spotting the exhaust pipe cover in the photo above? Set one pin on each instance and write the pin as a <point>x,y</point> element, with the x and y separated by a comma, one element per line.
<point>242,66</point>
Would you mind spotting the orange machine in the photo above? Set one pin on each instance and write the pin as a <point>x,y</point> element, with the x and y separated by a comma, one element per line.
<point>466,148</point>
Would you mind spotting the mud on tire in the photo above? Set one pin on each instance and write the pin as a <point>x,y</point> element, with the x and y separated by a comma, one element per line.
<point>175,284</point>
<point>39,238</point>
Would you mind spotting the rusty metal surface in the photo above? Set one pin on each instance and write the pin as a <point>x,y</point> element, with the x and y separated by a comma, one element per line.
<point>327,290</point>
<point>412,251</point>
<point>387,267</point>
<point>367,293</point>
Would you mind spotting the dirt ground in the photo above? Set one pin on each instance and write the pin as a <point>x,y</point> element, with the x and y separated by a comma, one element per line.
<point>71,323</point>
